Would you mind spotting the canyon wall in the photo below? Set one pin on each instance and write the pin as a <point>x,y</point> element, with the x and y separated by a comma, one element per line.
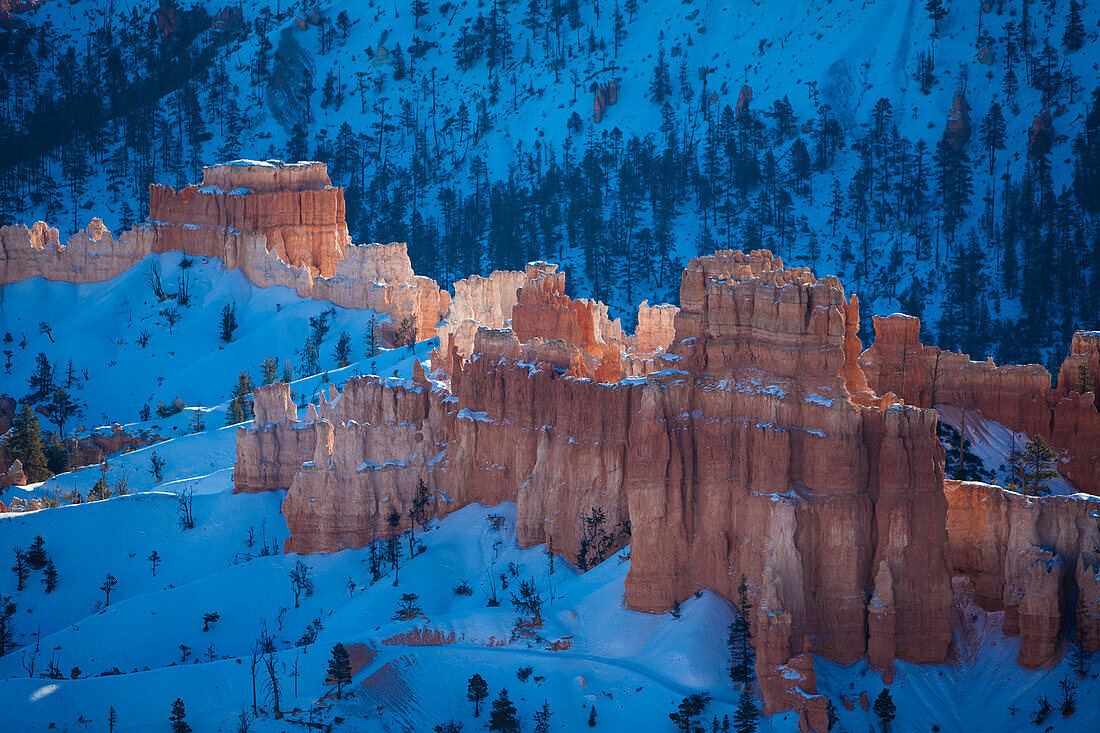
<point>752,447</point>
<point>280,224</point>
<point>1028,556</point>
<point>1019,397</point>
<point>293,205</point>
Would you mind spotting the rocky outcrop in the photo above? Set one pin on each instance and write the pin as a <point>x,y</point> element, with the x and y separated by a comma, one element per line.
<point>786,682</point>
<point>956,132</point>
<point>1019,397</point>
<point>271,451</point>
<point>293,205</point>
<point>92,255</point>
<point>479,302</point>
<point>280,224</point>
<point>543,311</point>
<point>14,476</point>
<point>753,443</point>
<point>1023,555</point>
<point>96,446</point>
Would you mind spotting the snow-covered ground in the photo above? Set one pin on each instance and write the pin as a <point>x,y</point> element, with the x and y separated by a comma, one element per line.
<point>992,442</point>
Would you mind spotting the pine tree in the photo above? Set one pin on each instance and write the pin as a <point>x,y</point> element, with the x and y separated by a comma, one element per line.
<point>178,717</point>
<point>7,624</point>
<point>936,11</point>
<point>36,555</point>
<point>884,708</point>
<point>476,691</point>
<point>745,718</point>
<point>1038,467</point>
<point>740,639</point>
<point>20,568</point>
<point>61,407</point>
<point>1074,37</point>
<point>542,718</point>
<point>49,576</point>
<point>339,668</point>
<point>235,413</point>
<point>100,491</point>
<point>342,352</point>
<point>660,86</point>
<point>109,584</point>
<point>503,715</point>
<point>242,390</point>
<point>690,708</point>
<point>112,719</point>
<point>25,444</point>
<point>269,368</point>
<point>41,381</point>
<point>370,337</point>
<point>228,322</point>
<point>992,133</point>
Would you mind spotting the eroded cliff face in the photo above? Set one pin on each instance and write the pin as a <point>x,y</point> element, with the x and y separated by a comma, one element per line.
<point>280,224</point>
<point>294,206</point>
<point>752,447</point>
<point>1017,396</point>
<point>1027,556</point>
<point>479,302</point>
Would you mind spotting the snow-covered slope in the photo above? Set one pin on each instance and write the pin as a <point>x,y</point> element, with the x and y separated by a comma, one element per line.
<point>422,145</point>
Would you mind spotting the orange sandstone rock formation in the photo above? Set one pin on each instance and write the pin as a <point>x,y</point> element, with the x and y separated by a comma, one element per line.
<point>280,224</point>
<point>1017,396</point>
<point>753,446</point>
<point>293,205</point>
<point>1024,555</point>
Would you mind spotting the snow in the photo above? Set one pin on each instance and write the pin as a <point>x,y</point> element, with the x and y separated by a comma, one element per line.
<point>992,442</point>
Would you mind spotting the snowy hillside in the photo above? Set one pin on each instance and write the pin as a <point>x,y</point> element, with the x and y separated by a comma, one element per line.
<point>468,130</point>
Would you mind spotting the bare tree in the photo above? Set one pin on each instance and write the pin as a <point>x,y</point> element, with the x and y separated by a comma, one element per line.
<point>186,498</point>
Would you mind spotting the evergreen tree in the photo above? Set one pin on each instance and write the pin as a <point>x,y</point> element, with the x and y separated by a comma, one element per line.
<point>61,408</point>
<point>542,718</point>
<point>745,718</point>
<point>342,352</point>
<point>228,322</point>
<point>740,639</point>
<point>1037,464</point>
<point>936,11</point>
<point>476,691</point>
<point>660,86</point>
<point>269,367</point>
<point>20,568</point>
<point>7,624</point>
<point>1074,37</point>
<point>112,719</point>
<point>178,718</point>
<point>100,490</point>
<point>49,576</point>
<point>41,381</point>
<point>36,555</point>
<point>235,413</point>
<point>339,668</point>
<point>884,708</point>
<point>503,715</point>
<point>109,584</point>
<point>992,133</point>
<point>687,713</point>
<point>370,337</point>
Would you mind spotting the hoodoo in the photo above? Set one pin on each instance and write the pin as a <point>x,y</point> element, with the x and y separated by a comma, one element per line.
<point>751,447</point>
